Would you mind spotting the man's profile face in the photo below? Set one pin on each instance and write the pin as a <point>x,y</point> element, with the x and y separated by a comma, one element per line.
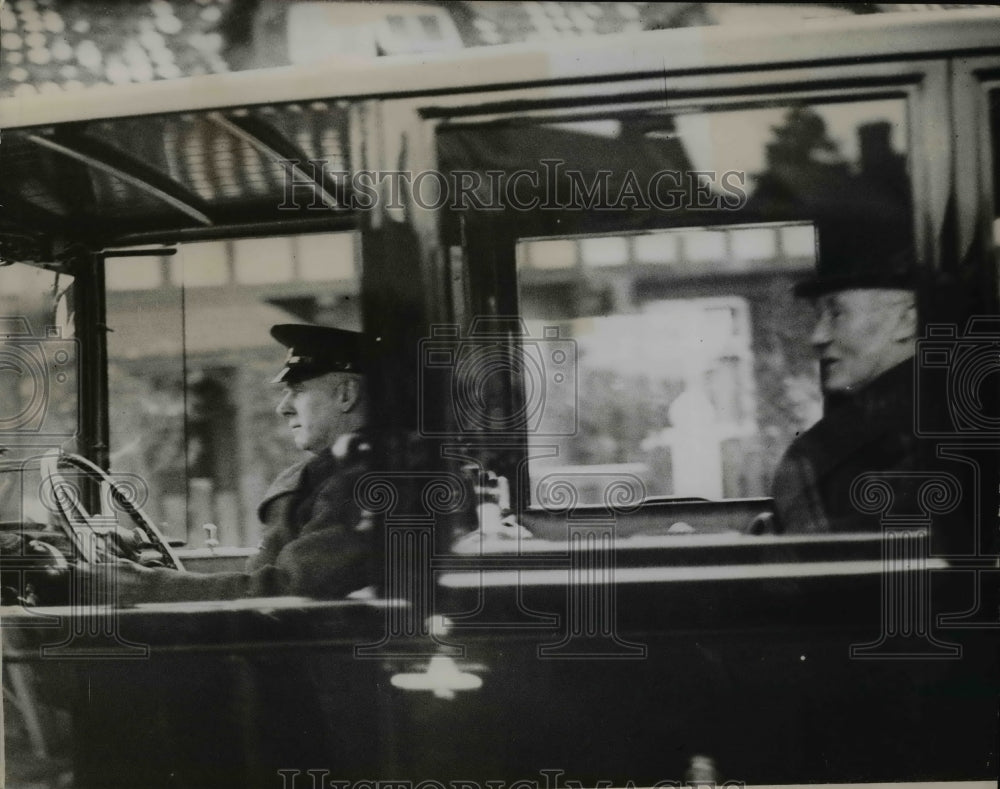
<point>312,410</point>
<point>861,333</point>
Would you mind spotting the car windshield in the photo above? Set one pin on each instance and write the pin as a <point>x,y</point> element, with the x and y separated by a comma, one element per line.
<point>190,360</point>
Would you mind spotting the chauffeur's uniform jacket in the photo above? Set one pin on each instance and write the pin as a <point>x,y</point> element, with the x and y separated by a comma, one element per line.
<point>315,540</point>
<point>871,431</point>
<point>316,544</point>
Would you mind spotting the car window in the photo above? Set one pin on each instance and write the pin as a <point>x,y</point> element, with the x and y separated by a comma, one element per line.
<point>39,383</point>
<point>190,360</point>
<point>38,358</point>
<point>692,366</point>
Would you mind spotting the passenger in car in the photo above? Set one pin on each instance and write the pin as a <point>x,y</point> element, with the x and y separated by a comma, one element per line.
<point>316,539</point>
<point>865,341</point>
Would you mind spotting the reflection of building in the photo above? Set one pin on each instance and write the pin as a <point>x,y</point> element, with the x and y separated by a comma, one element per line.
<point>807,176</point>
<point>203,317</point>
<point>661,316</point>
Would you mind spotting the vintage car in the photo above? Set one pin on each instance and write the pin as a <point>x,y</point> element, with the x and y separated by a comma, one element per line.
<point>575,264</point>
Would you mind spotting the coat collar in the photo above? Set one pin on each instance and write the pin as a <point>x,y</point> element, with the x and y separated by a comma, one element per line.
<point>878,412</point>
<point>346,450</point>
<point>286,483</point>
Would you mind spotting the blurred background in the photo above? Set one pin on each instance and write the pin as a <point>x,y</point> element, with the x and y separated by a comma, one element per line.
<point>51,46</point>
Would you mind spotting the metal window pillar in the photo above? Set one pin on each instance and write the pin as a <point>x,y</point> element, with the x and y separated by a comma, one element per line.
<point>90,307</point>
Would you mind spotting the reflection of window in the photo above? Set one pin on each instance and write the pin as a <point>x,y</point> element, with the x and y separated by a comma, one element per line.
<point>140,274</point>
<point>697,395</point>
<point>38,385</point>
<point>262,260</point>
<point>323,257</point>
<point>38,358</point>
<point>189,361</point>
<point>556,254</point>
<point>607,251</point>
<point>201,265</point>
<point>695,369</point>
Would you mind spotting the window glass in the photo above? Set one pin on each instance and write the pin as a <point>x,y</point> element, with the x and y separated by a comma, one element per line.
<point>190,358</point>
<point>694,369</point>
<point>697,394</point>
<point>39,397</point>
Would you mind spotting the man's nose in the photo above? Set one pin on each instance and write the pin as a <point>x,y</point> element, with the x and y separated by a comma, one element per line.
<point>821,333</point>
<point>284,407</point>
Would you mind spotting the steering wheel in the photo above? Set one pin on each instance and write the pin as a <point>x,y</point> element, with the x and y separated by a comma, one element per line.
<point>100,537</point>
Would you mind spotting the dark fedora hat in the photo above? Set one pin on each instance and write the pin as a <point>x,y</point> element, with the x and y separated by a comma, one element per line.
<point>316,350</point>
<point>861,254</point>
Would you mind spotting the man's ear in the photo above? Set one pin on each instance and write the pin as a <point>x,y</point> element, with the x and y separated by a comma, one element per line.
<point>350,393</point>
<point>906,324</point>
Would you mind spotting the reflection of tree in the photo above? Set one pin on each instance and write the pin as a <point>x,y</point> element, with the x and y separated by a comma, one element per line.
<point>211,428</point>
<point>802,138</point>
<point>807,176</point>
<point>28,301</point>
<point>862,213</point>
<point>147,431</point>
<point>616,413</point>
<point>788,398</point>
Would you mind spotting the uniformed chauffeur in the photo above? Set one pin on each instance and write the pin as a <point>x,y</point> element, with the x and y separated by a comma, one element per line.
<point>864,340</point>
<point>315,539</point>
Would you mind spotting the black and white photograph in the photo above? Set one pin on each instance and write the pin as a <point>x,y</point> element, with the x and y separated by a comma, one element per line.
<point>499,395</point>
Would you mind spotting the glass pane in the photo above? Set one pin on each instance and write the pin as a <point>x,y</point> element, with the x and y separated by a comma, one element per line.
<point>39,397</point>
<point>38,358</point>
<point>190,358</point>
<point>145,395</point>
<point>694,364</point>
<point>696,395</point>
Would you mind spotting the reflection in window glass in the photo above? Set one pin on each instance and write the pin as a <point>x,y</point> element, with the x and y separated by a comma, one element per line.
<point>39,398</point>
<point>201,265</point>
<point>798,241</point>
<point>754,244</point>
<point>192,412</point>
<point>854,133</point>
<point>695,396</point>
<point>695,369</point>
<point>323,257</point>
<point>555,254</point>
<point>140,274</point>
<point>704,246</point>
<point>608,251</point>
<point>655,248</point>
<point>146,396</point>
<point>262,260</point>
